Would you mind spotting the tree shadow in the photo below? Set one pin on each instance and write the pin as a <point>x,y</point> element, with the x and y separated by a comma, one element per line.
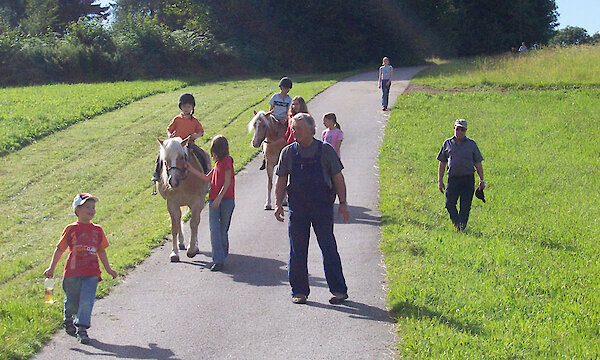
<point>410,310</point>
<point>128,351</point>
<point>357,310</point>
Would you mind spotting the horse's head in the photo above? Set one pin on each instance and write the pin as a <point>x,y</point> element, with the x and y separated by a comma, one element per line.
<point>173,155</point>
<point>259,124</point>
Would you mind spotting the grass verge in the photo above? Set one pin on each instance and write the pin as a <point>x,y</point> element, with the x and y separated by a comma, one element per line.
<point>522,281</point>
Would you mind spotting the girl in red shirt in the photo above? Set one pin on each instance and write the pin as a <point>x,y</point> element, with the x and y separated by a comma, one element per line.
<point>220,198</point>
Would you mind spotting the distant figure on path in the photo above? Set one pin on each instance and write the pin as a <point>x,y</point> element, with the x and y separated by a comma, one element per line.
<point>386,71</point>
<point>315,178</point>
<point>333,134</point>
<point>522,48</point>
<point>463,158</point>
<point>86,242</point>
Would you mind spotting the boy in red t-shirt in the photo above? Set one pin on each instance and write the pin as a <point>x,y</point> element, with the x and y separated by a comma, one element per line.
<point>220,198</point>
<point>184,125</point>
<point>86,242</point>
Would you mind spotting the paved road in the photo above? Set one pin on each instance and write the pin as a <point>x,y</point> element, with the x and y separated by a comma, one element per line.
<point>166,310</point>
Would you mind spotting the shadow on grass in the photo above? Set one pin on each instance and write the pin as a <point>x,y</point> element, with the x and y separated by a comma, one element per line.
<point>357,310</point>
<point>410,310</point>
<point>128,351</point>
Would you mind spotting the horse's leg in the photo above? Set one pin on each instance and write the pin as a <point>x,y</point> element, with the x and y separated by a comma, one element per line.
<point>270,170</point>
<point>194,222</point>
<point>181,238</point>
<point>175,213</point>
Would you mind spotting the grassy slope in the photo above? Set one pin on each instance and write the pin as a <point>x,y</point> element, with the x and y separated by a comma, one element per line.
<point>521,282</point>
<point>32,112</point>
<point>111,156</point>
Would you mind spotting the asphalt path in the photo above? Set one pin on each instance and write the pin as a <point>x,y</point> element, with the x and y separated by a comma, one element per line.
<point>164,310</point>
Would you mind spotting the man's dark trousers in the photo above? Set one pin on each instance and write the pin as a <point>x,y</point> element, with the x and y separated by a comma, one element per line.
<point>462,187</point>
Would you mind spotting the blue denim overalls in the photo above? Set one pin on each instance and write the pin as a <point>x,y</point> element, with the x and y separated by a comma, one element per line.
<point>311,202</point>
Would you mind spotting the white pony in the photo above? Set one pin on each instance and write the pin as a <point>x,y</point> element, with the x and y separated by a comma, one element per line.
<point>181,190</point>
<point>269,131</point>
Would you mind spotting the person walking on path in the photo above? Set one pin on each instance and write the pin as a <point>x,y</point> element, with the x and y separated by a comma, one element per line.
<point>333,134</point>
<point>315,178</point>
<point>463,158</point>
<point>220,198</point>
<point>86,243</point>
<point>386,71</point>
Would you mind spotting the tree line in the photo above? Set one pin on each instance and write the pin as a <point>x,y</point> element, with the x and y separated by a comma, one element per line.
<point>79,40</point>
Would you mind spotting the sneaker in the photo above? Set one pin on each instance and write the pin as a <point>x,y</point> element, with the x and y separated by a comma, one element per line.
<point>69,327</point>
<point>337,298</point>
<point>216,267</point>
<point>263,166</point>
<point>299,299</point>
<point>384,108</point>
<point>460,227</point>
<point>83,337</point>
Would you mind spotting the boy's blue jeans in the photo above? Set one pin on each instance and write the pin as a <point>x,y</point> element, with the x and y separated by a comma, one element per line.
<point>299,225</point>
<point>80,295</point>
<point>219,220</point>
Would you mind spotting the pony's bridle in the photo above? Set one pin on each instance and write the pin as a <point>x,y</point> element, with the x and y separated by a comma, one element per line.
<point>182,171</point>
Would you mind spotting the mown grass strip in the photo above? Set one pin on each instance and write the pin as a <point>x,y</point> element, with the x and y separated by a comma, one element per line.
<point>30,113</point>
<point>551,68</point>
<point>522,281</point>
<point>111,156</point>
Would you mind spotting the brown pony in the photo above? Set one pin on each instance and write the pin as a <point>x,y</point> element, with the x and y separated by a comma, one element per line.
<point>181,190</point>
<point>268,132</point>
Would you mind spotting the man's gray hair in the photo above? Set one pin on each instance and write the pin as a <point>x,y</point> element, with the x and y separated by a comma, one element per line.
<point>309,121</point>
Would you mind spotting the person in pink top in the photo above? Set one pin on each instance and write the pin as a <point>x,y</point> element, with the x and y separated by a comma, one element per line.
<point>86,242</point>
<point>220,198</point>
<point>332,134</point>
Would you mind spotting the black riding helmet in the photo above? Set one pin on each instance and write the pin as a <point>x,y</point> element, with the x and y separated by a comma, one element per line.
<point>187,98</point>
<point>285,82</point>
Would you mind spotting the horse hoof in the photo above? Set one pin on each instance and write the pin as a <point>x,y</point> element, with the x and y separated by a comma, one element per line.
<point>284,203</point>
<point>268,207</point>
<point>182,247</point>
<point>191,254</point>
<point>174,258</point>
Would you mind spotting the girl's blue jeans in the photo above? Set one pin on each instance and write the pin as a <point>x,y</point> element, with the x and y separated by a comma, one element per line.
<point>219,220</point>
<point>385,96</point>
<point>80,294</point>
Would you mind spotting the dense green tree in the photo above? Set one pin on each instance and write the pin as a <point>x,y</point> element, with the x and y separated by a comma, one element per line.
<point>571,35</point>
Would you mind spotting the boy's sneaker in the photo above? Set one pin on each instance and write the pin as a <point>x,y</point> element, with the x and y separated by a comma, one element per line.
<point>69,327</point>
<point>83,337</point>
<point>337,298</point>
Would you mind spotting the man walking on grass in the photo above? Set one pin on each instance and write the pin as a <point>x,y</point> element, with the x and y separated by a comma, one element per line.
<point>463,158</point>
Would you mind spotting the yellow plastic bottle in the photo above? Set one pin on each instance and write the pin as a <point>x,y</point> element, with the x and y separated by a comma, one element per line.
<point>49,294</point>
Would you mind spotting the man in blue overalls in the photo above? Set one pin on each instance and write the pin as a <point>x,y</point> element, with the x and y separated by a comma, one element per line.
<point>315,178</point>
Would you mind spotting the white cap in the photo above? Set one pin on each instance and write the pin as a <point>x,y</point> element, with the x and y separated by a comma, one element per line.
<point>81,198</point>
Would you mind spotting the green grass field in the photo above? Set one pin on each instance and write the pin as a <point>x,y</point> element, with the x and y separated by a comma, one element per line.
<point>30,113</point>
<point>111,156</point>
<point>522,281</point>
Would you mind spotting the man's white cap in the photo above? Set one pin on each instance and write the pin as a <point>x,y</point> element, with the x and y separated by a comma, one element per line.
<point>81,198</point>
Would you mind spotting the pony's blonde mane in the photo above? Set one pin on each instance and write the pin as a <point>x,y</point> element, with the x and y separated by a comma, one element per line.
<point>258,115</point>
<point>171,149</point>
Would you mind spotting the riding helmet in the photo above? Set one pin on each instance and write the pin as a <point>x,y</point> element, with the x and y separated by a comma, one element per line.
<point>285,82</point>
<point>187,98</point>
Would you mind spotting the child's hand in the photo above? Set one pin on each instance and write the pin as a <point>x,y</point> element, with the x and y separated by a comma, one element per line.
<point>49,273</point>
<point>112,273</point>
<point>215,204</point>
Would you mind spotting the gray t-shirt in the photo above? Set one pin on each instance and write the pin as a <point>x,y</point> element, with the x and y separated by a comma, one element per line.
<point>330,162</point>
<point>461,158</point>
<point>280,106</point>
<point>386,72</point>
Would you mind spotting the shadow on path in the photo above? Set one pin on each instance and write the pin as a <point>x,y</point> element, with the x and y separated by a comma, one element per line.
<point>128,351</point>
<point>358,310</point>
<point>358,215</point>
